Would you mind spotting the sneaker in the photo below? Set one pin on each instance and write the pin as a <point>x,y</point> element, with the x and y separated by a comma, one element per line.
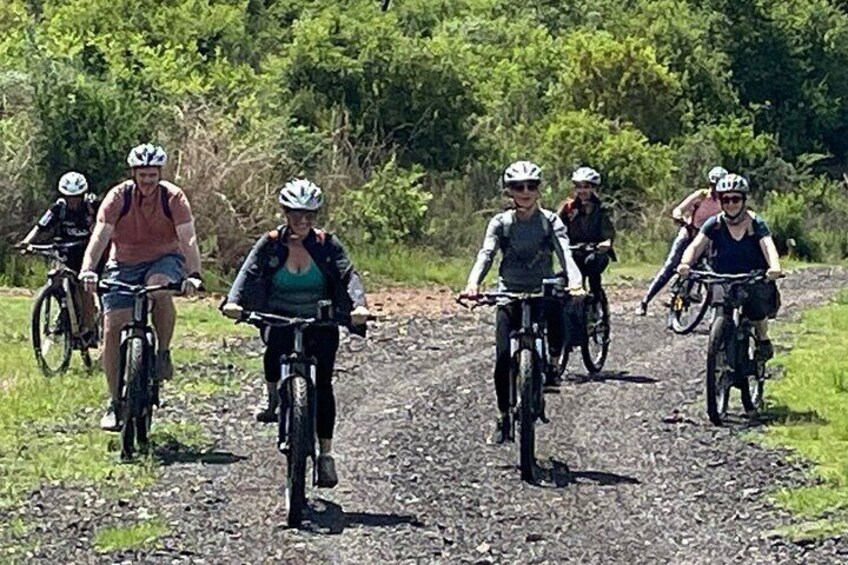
<point>164,367</point>
<point>551,378</point>
<point>109,421</point>
<point>327,477</point>
<point>267,414</point>
<point>765,350</point>
<point>502,429</point>
<point>643,309</point>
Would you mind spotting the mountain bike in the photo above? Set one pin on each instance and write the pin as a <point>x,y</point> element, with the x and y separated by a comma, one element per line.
<point>298,407</point>
<point>690,298</point>
<point>732,356</point>
<point>57,319</point>
<point>138,384</point>
<point>592,323</point>
<point>529,352</point>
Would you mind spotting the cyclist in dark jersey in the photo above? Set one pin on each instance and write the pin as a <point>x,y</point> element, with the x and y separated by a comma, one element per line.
<point>70,219</point>
<point>741,243</point>
<point>529,237</point>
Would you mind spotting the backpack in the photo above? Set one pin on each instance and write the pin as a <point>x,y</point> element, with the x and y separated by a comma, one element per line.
<point>127,195</point>
<point>509,220</point>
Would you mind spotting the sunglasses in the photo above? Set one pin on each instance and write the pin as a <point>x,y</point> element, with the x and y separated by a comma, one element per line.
<point>731,199</point>
<point>524,187</point>
<point>298,215</point>
<point>583,185</point>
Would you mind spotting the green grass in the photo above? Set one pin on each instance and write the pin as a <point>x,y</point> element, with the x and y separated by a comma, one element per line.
<point>809,404</point>
<point>141,535</point>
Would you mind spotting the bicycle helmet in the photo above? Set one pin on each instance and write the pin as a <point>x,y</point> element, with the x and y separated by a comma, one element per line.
<point>301,194</point>
<point>716,174</point>
<point>522,171</point>
<point>733,183</point>
<point>147,155</point>
<point>73,184</point>
<point>587,175</point>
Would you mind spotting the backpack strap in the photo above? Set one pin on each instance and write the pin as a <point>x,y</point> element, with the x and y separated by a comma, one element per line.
<point>127,191</point>
<point>509,220</point>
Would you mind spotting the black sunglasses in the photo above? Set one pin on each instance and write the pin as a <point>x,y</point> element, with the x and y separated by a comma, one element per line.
<point>524,186</point>
<point>731,199</point>
<point>298,215</point>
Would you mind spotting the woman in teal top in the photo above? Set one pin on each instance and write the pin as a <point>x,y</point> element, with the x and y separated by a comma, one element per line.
<point>288,272</point>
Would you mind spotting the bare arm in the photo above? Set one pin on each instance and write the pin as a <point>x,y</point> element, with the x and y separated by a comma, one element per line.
<point>695,249</point>
<point>97,245</point>
<point>189,246</point>
<point>770,251</point>
<point>30,236</point>
<point>685,207</point>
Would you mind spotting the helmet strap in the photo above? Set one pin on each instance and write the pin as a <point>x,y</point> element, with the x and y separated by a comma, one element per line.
<point>737,218</point>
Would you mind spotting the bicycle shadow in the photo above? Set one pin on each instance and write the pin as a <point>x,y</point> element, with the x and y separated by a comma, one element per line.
<point>323,516</point>
<point>557,474</point>
<point>783,415</point>
<point>168,450</point>
<point>613,376</point>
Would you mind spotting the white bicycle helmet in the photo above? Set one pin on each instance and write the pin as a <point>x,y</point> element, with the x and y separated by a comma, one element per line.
<point>733,183</point>
<point>716,174</point>
<point>522,171</point>
<point>301,194</point>
<point>147,155</point>
<point>588,175</point>
<point>73,184</point>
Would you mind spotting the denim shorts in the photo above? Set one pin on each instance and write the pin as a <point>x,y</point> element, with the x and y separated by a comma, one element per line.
<point>171,265</point>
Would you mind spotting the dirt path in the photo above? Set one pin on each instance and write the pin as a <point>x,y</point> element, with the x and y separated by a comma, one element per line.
<point>626,479</point>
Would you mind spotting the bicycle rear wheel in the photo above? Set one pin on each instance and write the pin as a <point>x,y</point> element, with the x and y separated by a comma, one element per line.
<point>51,331</point>
<point>595,346</point>
<point>688,306</point>
<point>134,422</point>
<point>527,414</point>
<point>299,444</point>
<point>718,379</point>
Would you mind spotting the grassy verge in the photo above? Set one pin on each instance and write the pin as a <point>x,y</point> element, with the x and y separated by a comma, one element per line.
<point>809,403</point>
<point>141,535</point>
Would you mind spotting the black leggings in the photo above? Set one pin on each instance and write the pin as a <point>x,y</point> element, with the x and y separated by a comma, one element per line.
<point>507,319</point>
<point>320,342</point>
<point>592,265</point>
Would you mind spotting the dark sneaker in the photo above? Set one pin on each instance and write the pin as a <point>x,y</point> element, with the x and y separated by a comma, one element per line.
<point>327,477</point>
<point>109,421</point>
<point>643,309</point>
<point>267,414</point>
<point>164,367</point>
<point>551,378</point>
<point>765,350</point>
<point>502,429</point>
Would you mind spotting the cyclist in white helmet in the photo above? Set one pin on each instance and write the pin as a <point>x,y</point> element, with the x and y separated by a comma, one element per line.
<point>529,238</point>
<point>289,270</point>
<point>589,221</point>
<point>740,243</point>
<point>71,219</point>
<point>149,223</point>
<point>692,212</point>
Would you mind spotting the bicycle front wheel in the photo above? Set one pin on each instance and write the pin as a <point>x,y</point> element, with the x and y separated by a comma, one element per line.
<point>133,409</point>
<point>718,379</point>
<point>299,445</point>
<point>527,413</point>
<point>752,385</point>
<point>51,331</point>
<point>595,345</point>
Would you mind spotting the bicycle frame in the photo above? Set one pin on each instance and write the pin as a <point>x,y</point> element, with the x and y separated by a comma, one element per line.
<point>64,277</point>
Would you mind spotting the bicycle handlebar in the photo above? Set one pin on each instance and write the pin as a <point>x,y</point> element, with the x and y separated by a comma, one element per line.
<point>267,319</point>
<point>136,289</point>
<point>711,277</point>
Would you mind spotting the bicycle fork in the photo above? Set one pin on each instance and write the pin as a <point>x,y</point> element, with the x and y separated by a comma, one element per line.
<point>294,367</point>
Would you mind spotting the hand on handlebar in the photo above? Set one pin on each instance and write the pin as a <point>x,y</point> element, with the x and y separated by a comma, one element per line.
<point>773,274</point>
<point>683,269</point>
<point>232,310</point>
<point>191,285</point>
<point>89,280</point>
<point>471,291</point>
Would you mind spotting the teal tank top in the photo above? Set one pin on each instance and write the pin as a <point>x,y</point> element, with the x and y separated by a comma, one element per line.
<point>297,294</point>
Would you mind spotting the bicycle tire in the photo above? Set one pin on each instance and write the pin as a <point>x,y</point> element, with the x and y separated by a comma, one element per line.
<point>299,442</point>
<point>42,312</point>
<point>691,322</point>
<point>752,385</point>
<point>596,329</point>
<point>717,384</point>
<point>134,380</point>
<point>527,415</point>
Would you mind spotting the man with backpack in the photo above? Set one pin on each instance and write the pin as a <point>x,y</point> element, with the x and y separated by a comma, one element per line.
<point>151,228</point>
<point>529,237</point>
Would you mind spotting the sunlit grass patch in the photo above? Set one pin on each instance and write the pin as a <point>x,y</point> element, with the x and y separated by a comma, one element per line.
<point>144,534</point>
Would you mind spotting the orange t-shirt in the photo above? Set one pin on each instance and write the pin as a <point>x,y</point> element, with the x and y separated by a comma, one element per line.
<point>144,233</point>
